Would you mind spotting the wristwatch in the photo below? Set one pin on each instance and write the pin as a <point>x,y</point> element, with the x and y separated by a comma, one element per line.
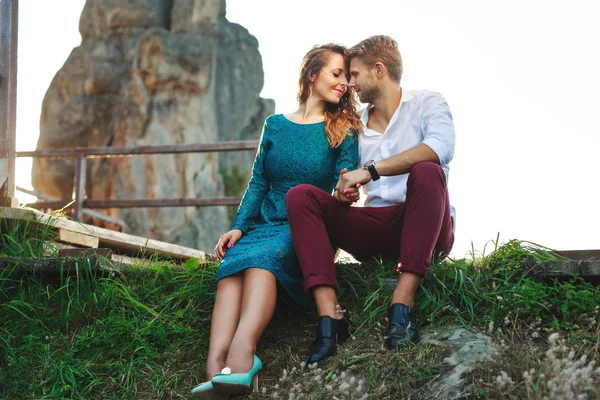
<point>370,166</point>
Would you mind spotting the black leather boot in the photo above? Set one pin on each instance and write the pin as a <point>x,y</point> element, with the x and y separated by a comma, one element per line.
<point>402,327</point>
<point>330,332</point>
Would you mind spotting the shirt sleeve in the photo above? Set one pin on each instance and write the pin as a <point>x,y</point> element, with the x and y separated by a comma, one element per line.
<point>438,127</point>
<point>257,189</point>
<point>347,155</point>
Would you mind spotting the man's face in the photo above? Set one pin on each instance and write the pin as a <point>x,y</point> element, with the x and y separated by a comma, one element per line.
<point>362,79</point>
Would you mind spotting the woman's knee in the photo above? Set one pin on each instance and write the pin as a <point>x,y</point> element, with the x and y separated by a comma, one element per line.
<point>259,273</point>
<point>232,282</point>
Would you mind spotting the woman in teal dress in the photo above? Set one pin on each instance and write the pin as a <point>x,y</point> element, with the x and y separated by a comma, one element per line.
<point>311,145</point>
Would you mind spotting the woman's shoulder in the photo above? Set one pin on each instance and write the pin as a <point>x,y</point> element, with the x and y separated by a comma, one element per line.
<point>274,120</point>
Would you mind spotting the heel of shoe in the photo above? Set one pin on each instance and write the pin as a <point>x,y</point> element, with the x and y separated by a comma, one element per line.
<point>230,384</point>
<point>255,383</point>
<point>343,330</point>
<point>341,338</point>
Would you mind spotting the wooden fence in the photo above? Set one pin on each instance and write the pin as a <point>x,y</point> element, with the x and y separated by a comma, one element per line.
<point>81,154</point>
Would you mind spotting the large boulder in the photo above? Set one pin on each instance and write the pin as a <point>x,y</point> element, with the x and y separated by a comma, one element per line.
<point>152,72</point>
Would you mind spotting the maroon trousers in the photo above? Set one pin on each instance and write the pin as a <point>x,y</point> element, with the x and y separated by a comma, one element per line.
<point>412,231</point>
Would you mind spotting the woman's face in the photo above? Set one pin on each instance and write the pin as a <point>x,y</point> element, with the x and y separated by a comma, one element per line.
<point>331,83</point>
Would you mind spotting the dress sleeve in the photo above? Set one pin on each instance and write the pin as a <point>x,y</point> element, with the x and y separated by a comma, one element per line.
<point>438,127</point>
<point>347,156</point>
<point>257,189</point>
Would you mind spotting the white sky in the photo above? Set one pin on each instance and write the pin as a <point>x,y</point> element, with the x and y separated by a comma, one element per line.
<point>521,79</point>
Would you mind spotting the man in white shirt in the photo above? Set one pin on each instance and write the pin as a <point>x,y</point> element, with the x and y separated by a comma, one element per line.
<point>405,147</point>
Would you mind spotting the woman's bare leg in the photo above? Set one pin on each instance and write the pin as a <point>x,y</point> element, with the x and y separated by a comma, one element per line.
<point>225,320</point>
<point>258,305</point>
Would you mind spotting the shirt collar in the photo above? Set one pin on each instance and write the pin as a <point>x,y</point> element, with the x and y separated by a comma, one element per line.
<point>364,113</point>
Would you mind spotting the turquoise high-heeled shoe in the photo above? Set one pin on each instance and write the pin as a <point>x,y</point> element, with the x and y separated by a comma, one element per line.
<point>228,383</point>
<point>207,391</point>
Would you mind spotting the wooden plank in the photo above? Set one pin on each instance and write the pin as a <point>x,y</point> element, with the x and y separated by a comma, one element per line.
<point>56,264</point>
<point>565,268</point>
<point>100,252</point>
<point>80,239</point>
<point>91,152</point>
<point>179,202</point>
<point>78,252</point>
<point>94,214</point>
<point>8,93</point>
<point>587,255</point>
<point>50,248</point>
<point>118,241</point>
<point>80,168</point>
<point>75,265</point>
<point>10,202</point>
<point>3,170</point>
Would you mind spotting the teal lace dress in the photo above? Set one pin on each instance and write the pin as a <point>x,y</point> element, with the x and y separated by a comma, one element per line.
<point>289,154</point>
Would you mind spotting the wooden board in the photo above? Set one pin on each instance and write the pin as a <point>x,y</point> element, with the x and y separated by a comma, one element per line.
<point>121,243</point>
<point>80,239</point>
<point>106,254</point>
<point>57,264</point>
<point>586,255</point>
<point>9,201</point>
<point>78,252</point>
<point>3,170</point>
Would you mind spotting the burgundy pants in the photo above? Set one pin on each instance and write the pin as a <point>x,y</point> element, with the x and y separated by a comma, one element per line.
<point>412,231</point>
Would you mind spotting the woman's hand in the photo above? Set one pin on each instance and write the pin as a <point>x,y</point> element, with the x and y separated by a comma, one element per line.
<point>349,195</point>
<point>227,241</point>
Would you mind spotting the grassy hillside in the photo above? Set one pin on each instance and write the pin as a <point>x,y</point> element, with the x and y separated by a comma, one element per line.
<point>144,334</point>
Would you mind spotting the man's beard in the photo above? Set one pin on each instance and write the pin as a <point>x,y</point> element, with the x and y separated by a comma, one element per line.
<point>369,94</point>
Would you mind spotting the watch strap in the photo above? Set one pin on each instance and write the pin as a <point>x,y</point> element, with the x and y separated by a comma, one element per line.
<point>373,171</point>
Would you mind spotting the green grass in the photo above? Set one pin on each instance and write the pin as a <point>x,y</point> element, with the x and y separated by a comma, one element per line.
<point>93,336</point>
<point>24,239</point>
<point>144,334</point>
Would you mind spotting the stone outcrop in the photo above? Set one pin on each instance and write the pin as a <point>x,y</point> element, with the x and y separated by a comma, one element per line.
<point>467,349</point>
<point>152,72</point>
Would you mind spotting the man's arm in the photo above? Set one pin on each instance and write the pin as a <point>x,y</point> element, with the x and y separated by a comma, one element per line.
<point>438,145</point>
<point>395,165</point>
<point>402,163</point>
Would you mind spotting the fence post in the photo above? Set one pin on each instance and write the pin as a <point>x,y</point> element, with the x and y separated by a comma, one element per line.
<point>80,168</point>
<point>8,99</point>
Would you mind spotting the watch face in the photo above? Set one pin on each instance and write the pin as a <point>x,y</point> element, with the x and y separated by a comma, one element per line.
<point>368,164</point>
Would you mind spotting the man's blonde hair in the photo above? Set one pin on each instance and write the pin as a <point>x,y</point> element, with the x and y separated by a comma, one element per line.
<point>382,49</point>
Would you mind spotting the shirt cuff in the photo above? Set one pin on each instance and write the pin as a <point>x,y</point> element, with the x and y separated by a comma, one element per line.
<point>439,148</point>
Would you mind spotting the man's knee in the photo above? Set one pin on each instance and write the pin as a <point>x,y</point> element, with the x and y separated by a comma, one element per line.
<point>426,168</point>
<point>298,195</point>
<point>426,172</point>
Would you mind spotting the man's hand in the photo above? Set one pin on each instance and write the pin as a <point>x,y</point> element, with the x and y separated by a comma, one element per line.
<point>348,195</point>
<point>227,241</point>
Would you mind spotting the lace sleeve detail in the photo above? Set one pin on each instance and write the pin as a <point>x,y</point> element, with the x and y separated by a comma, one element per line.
<point>347,156</point>
<point>257,189</point>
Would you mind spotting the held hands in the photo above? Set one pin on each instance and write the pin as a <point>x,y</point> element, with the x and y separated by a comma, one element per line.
<point>227,241</point>
<point>347,188</point>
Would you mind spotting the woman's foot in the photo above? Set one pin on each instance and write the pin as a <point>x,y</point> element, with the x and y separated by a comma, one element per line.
<point>214,365</point>
<point>240,357</point>
<point>230,383</point>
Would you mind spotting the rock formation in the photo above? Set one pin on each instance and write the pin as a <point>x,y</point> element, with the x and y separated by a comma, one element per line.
<point>152,72</point>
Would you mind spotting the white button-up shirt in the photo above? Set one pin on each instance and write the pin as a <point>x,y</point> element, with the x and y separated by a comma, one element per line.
<point>422,117</point>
